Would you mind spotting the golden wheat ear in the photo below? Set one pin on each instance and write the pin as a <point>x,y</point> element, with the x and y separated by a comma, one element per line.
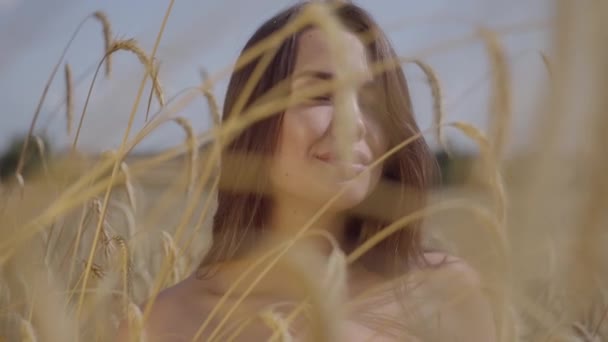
<point>438,103</point>
<point>132,46</point>
<point>107,38</point>
<point>212,101</point>
<point>172,254</point>
<point>501,100</point>
<point>129,45</point>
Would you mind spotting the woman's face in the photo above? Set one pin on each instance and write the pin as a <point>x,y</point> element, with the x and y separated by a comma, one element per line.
<point>306,165</point>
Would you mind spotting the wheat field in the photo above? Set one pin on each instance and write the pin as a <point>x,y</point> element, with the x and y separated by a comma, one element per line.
<point>85,238</point>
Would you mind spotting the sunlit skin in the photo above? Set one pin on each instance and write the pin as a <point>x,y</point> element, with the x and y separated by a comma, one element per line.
<point>305,173</point>
<point>306,170</point>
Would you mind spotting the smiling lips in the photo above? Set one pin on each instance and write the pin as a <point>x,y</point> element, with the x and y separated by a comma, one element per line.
<point>359,163</point>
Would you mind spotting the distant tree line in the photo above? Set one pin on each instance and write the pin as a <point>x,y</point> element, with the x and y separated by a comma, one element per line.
<point>454,167</point>
<point>9,159</point>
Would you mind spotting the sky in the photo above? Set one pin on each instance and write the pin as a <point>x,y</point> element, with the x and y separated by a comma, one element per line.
<point>211,33</point>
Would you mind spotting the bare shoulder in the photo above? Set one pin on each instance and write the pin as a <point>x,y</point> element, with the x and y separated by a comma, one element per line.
<point>452,293</point>
<point>169,317</point>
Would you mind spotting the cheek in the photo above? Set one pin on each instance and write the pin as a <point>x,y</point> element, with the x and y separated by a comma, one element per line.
<point>377,140</point>
<point>301,129</point>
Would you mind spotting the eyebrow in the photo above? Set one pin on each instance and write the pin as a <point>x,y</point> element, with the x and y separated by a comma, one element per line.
<point>322,75</point>
<point>325,76</point>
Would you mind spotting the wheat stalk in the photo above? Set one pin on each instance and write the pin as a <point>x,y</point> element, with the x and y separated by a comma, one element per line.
<point>126,267</point>
<point>126,135</point>
<point>127,211</point>
<point>41,146</point>
<point>155,88</point>
<point>490,170</point>
<point>107,244</point>
<point>304,282</point>
<point>500,105</point>
<point>212,102</point>
<point>156,85</point>
<point>548,64</point>
<point>277,324</point>
<point>106,24</point>
<point>344,127</point>
<point>20,180</point>
<point>122,45</point>
<point>69,104</point>
<point>136,323</point>
<point>107,38</point>
<point>193,149</point>
<point>75,244</point>
<point>26,331</point>
<point>236,331</point>
<point>203,215</point>
<point>187,215</point>
<point>129,186</point>
<point>132,46</point>
<point>438,104</point>
<point>171,253</point>
<point>95,268</point>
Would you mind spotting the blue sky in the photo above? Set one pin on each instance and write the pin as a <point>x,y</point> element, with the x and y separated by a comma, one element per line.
<point>211,33</point>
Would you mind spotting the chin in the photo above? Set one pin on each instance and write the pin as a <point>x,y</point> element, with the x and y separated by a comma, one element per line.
<point>352,196</point>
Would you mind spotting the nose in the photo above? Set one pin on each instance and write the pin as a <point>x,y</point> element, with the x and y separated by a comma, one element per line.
<point>360,128</point>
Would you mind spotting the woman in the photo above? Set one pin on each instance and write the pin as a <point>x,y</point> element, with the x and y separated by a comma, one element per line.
<point>261,203</point>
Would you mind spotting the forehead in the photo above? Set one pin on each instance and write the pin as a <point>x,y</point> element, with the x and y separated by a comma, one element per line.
<point>316,52</point>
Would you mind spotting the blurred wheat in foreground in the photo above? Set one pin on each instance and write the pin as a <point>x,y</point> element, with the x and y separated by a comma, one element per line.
<point>85,238</point>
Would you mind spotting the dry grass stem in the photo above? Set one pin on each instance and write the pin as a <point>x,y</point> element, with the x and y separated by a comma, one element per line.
<point>69,102</point>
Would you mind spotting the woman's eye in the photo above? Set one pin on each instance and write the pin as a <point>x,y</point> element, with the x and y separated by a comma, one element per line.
<point>322,98</point>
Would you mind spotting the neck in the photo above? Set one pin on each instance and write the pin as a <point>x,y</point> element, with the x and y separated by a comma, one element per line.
<point>310,253</point>
<point>290,215</point>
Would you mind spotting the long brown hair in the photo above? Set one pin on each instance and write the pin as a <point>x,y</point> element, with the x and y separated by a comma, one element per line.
<point>241,215</point>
